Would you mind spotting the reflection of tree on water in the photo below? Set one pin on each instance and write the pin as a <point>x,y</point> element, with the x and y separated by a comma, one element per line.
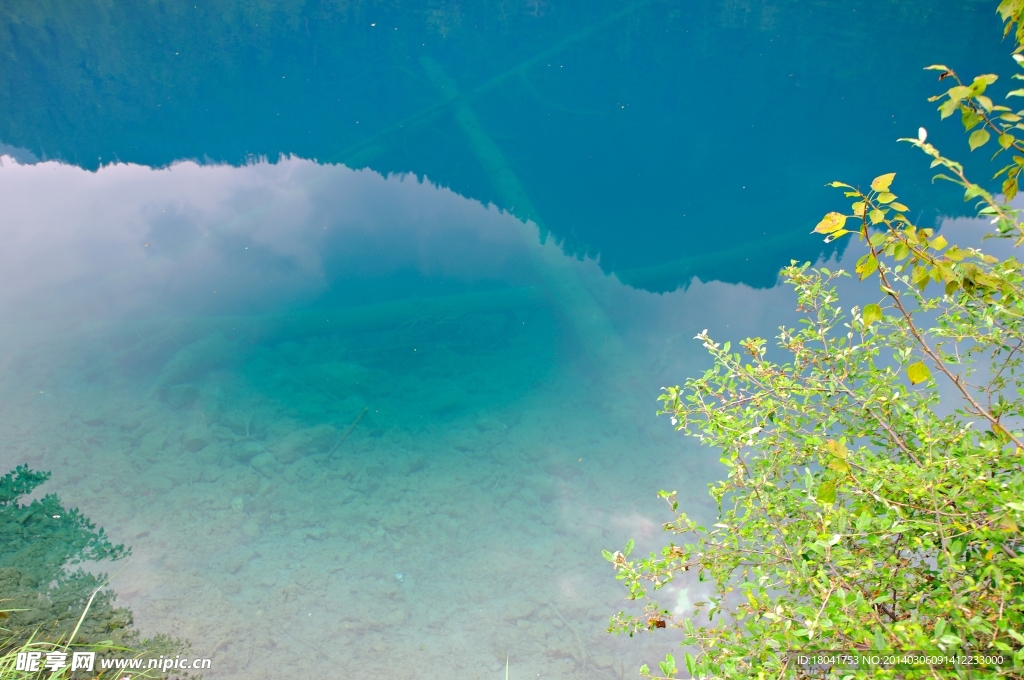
<point>609,115</point>
<point>43,595</point>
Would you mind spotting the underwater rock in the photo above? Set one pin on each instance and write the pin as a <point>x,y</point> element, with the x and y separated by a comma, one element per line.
<point>530,497</point>
<point>307,442</point>
<point>196,436</point>
<point>152,444</point>
<point>415,464</point>
<point>182,396</point>
<point>265,464</point>
<point>315,533</point>
<point>519,609</point>
<point>193,361</point>
<point>246,451</point>
<point>251,529</point>
<point>563,466</point>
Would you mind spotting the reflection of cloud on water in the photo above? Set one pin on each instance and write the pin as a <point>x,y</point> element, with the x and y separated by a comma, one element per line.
<point>129,238</point>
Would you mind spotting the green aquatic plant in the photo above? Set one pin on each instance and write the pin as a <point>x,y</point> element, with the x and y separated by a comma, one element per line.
<point>874,494</point>
<point>46,604</point>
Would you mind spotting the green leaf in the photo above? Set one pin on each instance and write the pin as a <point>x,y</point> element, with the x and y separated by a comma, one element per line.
<point>872,313</point>
<point>831,222</point>
<point>668,666</point>
<point>876,216</point>
<point>629,547</point>
<point>918,373</point>
<point>691,664</point>
<point>958,92</point>
<point>608,555</point>
<point>978,138</point>
<point>969,117</point>
<point>827,492</point>
<point>882,182</point>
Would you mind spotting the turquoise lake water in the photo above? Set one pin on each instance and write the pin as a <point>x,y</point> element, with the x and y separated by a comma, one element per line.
<point>350,318</point>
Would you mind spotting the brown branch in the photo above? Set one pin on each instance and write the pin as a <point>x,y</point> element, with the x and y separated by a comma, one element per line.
<point>926,348</point>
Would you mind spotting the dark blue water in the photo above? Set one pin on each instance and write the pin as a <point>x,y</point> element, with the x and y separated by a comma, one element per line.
<point>350,318</point>
<point>647,134</point>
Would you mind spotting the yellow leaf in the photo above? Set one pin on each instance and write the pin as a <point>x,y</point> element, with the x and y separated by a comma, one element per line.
<point>837,449</point>
<point>840,466</point>
<point>882,182</point>
<point>918,373</point>
<point>831,222</point>
<point>938,243</point>
<point>876,216</point>
<point>899,207</point>
<point>886,197</point>
<point>866,265</point>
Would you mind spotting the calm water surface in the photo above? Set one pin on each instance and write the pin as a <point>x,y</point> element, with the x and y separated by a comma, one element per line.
<point>350,317</point>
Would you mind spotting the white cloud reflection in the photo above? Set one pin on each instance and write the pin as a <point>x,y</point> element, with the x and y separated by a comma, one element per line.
<point>129,238</point>
<point>130,241</point>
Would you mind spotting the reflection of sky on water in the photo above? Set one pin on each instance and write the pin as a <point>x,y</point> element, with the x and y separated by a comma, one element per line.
<point>133,242</point>
<point>192,239</point>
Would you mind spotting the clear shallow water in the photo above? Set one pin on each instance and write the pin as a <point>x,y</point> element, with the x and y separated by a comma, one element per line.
<point>376,412</point>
